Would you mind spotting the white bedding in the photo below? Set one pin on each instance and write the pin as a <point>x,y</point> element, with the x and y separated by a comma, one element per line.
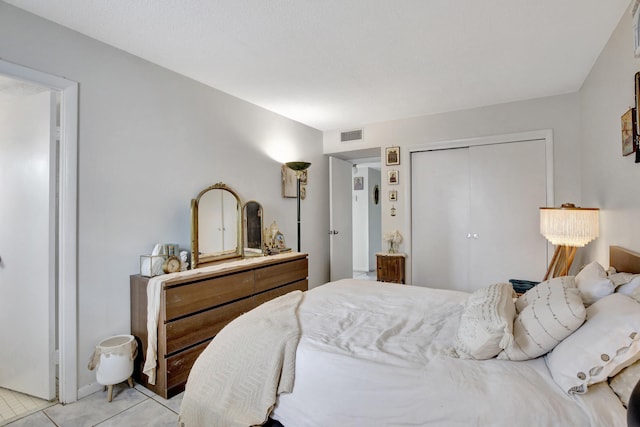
<point>376,354</point>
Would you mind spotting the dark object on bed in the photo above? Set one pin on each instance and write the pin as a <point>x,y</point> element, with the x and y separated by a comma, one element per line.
<point>633,409</point>
<point>522,286</point>
<point>272,423</point>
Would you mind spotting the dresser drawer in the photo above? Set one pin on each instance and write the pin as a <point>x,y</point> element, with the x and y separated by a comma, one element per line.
<point>193,329</point>
<point>302,285</point>
<point>275,275</point>
<point>179,366</point>
<point>196,296</point>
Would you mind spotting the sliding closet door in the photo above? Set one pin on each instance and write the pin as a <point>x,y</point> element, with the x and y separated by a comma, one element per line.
<point>440,218</point>
<point>507,188</point>
<point>475,215</point>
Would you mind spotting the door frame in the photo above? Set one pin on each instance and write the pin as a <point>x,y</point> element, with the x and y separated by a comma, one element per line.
<point>544,134</point>
<point>67,222</point>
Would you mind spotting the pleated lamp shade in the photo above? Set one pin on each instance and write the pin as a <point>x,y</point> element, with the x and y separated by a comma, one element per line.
<point>569,225</point>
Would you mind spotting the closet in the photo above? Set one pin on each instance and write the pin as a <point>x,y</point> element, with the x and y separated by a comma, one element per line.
<point>475,214</point>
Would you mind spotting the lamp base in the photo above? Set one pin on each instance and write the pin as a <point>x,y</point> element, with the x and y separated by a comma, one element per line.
<point>561,262</point>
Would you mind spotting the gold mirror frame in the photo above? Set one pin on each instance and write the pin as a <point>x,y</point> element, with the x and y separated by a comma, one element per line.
<point>253,218</point>
<point>203,259</point>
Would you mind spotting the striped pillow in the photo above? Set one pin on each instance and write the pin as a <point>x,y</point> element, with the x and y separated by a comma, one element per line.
<point>553,310</point>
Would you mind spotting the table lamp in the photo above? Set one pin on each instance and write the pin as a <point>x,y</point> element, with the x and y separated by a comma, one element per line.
<point>568,227</point>
<point>298,168</point>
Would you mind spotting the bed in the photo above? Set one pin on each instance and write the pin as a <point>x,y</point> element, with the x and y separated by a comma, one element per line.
<point>361,353</point>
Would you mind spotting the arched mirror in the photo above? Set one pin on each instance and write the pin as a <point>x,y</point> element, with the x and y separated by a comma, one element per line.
<point>253,226</point>
<point>216,225</point>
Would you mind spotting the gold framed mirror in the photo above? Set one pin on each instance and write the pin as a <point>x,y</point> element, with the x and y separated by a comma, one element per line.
<point>253,215</point>
<point>216,225</point>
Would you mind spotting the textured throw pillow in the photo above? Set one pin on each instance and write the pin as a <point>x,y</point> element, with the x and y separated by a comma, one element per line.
<point>624,382</point>
<point>486,323</point>
<point>629,286</point>
<point>542,290</point>
<point>607,342</point>
<point>552,314</point>
<point>593,283</point>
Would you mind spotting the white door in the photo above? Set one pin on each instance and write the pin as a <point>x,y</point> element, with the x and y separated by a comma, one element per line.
<point>440,218</point>
<point>507,188</point>
<point>340,227</point>
<point>27,244</point>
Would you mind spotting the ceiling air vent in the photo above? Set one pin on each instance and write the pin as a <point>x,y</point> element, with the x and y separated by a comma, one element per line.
<point>351,135</point>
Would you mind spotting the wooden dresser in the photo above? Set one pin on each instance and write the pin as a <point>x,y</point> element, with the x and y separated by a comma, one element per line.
<point>390,267</point>
<point>195,307</point>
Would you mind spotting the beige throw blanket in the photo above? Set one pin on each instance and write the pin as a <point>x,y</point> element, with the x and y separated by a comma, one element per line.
<point>236,379</point>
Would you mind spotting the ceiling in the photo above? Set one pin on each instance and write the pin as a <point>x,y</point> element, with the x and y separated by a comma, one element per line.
<point>340,64</point>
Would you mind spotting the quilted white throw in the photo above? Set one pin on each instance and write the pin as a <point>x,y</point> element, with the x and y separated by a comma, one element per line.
<point>236,379</point>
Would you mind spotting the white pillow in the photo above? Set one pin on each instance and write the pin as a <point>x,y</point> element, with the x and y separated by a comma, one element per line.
<point>607,342</point>
<point>630,286</point>
<point>486,323</point>
<point>624,382</point>
<point>593,283</point>
<point>552,314</point>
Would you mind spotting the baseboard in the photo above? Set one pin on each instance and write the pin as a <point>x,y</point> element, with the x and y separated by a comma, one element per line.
<point>89,389</point>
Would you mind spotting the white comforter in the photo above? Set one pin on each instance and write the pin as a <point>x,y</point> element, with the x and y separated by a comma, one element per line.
<point>374,354</point>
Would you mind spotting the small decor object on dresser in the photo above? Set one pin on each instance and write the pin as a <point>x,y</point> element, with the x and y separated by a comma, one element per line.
<point>393,239</point>
<point>172,264</point>
<point>629,136</point>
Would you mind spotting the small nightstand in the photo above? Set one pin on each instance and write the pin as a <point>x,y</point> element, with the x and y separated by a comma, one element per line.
<point>390,267</point>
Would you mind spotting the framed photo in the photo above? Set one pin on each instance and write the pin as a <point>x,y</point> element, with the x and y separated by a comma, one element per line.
<point>628,123</point>
<point>358,183</point>
<point>393,195</point>
<point>392,177</point>
<point>290,183</point>
<point>278,241</point>
<point>393,156</point>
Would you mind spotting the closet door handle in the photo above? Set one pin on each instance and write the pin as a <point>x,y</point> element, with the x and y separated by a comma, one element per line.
<point>475,235</point>
<point>468,235</point>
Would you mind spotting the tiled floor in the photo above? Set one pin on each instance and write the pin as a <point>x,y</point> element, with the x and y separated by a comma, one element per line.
<point>130,407</point>
<point>14,405</point>
<point>365,275</point>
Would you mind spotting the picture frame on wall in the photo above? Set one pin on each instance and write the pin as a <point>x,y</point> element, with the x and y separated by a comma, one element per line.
<point>392,156</point>
<point>358,183</point>
<point>393,178</point>
<point>393,195</point>
<point>290,183</point>
<point>629,137</point>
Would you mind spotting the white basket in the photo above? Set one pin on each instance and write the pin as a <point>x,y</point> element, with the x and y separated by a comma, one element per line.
<point>115,364</point>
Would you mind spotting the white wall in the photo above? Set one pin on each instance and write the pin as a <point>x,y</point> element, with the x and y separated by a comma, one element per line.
<point>558,113</point>
<point>609,180</point>
<point>149,141</point>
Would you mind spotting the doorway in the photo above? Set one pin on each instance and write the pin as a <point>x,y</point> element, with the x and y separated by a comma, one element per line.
<point>366,216</point>
<point>28,161</point>
<point>353,242</point>
<point>60,235</point>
